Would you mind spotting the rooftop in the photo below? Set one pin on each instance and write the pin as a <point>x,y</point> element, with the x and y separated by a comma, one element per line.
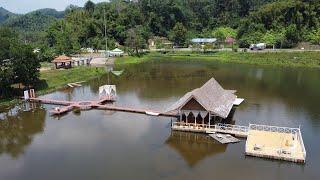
<point>204,40</point>
<point>62,58</point>
<point>211,96</point>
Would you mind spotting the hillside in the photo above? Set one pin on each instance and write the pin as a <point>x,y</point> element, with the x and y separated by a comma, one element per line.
<point>34,21</point>
<point>51,12</point>
<point>5,14</point>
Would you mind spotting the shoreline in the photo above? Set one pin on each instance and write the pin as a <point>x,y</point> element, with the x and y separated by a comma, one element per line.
<point>307,59</point>
<point>53,80</point>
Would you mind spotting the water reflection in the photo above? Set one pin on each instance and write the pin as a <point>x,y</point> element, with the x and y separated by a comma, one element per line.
<point>194,147</point>
<point>18,131</point>
<point>121,145</point>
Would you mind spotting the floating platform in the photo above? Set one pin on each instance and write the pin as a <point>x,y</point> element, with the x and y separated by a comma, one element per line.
<point>275,143</point>
<point>224,138</point>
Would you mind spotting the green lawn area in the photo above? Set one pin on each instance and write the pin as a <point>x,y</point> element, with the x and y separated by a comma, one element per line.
<point>289,59</point>
<point>55,79</point>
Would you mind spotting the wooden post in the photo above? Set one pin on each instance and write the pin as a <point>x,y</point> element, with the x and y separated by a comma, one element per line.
<point>209,119</point>
<point>202,121</point>
<point>195,120</point>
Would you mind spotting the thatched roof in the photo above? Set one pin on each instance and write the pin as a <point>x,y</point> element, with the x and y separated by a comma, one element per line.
<point>210,96</point>
<point>62,58</point>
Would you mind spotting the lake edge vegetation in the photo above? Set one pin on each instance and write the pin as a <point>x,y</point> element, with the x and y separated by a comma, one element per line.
<point>52,80</point>
<point>310,59</point>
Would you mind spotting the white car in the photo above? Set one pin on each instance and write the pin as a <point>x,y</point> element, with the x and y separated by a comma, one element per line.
<point>259,46</point>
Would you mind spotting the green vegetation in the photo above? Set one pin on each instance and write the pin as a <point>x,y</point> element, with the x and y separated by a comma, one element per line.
<point>288,59</point>
<point>279,23</point>
<point>18,63</point>
<point>130,24</point>
<point>5,14</point>
<point>56,79</point>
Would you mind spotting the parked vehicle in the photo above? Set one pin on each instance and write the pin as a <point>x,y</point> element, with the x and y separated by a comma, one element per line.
<point>259,46</point>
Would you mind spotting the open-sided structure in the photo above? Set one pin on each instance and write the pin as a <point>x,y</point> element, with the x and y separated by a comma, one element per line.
<point>205,106</point>
<point>63,62</point>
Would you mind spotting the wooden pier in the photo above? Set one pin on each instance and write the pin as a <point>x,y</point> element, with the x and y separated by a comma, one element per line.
<point>86,105</point>
<point>262,141</point>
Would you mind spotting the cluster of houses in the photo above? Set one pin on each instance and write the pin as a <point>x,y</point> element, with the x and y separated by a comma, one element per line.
<point>164,43</point>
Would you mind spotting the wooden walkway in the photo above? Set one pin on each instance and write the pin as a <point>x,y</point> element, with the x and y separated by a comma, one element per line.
<point>86,105</point>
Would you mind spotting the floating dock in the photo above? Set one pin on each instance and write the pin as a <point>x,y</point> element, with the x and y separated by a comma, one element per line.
<point>273,142</point>
<point>224,138</point>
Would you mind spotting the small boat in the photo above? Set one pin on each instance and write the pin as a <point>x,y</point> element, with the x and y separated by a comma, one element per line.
<point>152,113</point>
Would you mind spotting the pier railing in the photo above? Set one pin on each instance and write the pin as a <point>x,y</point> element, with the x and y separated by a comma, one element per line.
<point>222,128</point>
<point>294,131</point>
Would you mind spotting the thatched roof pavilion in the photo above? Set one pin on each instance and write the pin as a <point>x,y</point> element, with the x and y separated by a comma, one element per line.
<point>63,61</point>
<point>204,106</point>
<point>211,97</point>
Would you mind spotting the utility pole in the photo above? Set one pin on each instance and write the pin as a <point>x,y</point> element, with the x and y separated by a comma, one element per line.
<point>106,38</point>
<point>105,28</point>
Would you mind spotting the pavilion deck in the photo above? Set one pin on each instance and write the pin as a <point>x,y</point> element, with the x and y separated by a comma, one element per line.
<point>275,143</point>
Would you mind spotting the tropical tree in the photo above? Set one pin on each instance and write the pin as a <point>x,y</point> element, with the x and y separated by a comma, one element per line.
<point>89,7</point>
<point>179,34</point>
<point>135,40</point>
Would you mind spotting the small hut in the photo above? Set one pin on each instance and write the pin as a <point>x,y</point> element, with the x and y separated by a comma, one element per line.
<point>63,62</point>
<point>205,106</point>
<point>116,52</point>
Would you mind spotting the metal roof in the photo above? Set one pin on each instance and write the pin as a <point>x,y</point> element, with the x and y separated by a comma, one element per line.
<point>204,40</point>
<point>211,96</point>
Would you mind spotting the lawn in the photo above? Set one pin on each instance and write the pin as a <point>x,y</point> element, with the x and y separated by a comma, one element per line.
<point>288,59</point>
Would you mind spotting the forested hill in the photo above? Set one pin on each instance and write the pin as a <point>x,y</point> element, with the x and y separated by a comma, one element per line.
<point>279,23</point>
<point>34,21</point>
<point>5,14</point>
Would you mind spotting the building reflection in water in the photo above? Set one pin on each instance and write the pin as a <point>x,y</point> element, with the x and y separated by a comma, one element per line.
<point>194,147</point>
<point>17,130</point>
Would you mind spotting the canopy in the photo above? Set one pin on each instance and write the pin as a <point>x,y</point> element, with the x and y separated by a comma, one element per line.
<point>117,50</point>
<point>62,58</point>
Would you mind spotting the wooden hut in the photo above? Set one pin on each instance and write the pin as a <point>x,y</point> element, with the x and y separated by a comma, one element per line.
<point>63,62</point>
<point>205,106</point>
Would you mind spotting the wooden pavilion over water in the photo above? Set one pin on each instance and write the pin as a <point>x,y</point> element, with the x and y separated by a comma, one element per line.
<point>63,62</point>
<point>205,106</point>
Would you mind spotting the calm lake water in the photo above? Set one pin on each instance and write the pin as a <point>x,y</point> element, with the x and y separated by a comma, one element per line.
<point>115,145</point>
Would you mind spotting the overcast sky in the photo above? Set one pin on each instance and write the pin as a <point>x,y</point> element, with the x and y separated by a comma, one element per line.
<point>24,6</point>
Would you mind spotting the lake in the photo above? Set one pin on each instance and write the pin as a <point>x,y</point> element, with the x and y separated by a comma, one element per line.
<point>116,145</point>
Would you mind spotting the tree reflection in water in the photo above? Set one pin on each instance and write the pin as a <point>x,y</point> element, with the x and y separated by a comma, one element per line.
<point>18,130</point>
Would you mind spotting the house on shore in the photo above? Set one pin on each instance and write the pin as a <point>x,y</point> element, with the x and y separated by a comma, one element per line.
<point>205,106</point>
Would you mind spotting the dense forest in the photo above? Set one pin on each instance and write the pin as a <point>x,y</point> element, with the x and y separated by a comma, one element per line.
<point>279,23</point>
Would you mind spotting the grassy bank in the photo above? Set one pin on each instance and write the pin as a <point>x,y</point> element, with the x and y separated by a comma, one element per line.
<point>289,59</point>
<point>56,79</point>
